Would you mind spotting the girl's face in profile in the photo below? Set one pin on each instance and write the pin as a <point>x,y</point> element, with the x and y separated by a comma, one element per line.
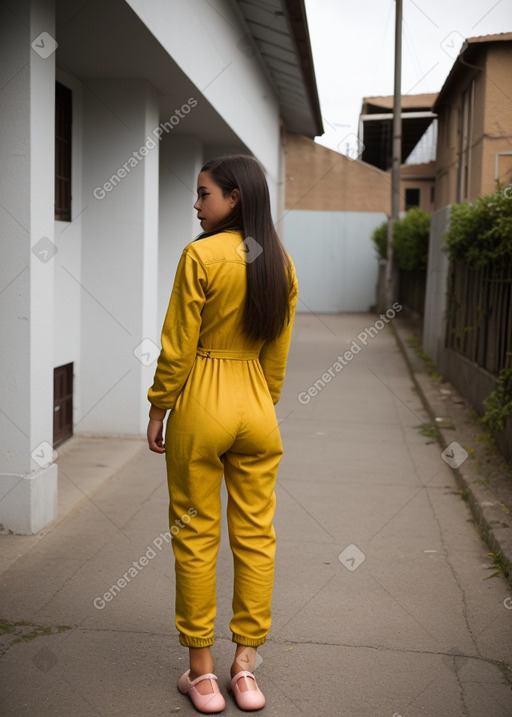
<point>212,206</point>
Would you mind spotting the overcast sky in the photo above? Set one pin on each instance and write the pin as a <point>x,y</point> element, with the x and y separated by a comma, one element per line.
<point>353,50</point>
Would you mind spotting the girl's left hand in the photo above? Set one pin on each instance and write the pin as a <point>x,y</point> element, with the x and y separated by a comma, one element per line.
<point>155,435</point>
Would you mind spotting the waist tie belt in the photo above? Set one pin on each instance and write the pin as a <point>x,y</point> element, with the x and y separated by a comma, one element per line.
<point>226,354</point>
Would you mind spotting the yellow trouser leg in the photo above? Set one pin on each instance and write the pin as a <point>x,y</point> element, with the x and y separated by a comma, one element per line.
<point>250,481</point>
<point>194,491</point>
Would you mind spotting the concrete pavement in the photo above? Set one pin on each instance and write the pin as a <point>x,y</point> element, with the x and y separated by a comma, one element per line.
<point>382,604</point>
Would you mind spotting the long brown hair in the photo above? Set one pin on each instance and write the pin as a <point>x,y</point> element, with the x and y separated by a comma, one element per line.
<point>266,310</point>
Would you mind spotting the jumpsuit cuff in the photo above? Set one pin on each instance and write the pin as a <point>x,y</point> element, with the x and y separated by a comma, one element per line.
<point>190,641</point>
<point>248,641</point>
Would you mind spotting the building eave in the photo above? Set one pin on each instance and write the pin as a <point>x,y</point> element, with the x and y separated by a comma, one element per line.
<point>469,50</point>
<point>280,34</point>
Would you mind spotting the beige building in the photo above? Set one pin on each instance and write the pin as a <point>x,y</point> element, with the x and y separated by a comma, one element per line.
<point>417,186</point>
<point>376,126</point>
<point>323,179</point>
<point>474,147</point>
<point>376,134</point>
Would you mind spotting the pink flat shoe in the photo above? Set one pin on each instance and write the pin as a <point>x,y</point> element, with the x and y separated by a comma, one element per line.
<point>247,699</point>
<point>209,703</point>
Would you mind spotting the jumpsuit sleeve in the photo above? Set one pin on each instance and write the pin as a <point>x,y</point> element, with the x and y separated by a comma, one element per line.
<point>274,354</point>
<point>180,332</point>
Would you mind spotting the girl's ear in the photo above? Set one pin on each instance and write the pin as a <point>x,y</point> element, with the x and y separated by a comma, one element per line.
<point>235,197</point>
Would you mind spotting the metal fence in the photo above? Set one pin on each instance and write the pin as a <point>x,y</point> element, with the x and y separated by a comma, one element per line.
<point>412,287</point>
<point>479,314</point>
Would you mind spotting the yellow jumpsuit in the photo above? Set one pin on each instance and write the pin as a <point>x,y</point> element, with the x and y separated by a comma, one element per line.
<point>221,387</point>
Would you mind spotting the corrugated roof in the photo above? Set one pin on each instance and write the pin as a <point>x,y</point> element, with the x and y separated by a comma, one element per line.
<point>280,32</point>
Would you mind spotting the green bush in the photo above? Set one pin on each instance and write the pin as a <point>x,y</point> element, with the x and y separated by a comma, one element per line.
<point>380,239</point>
<point>498,406</point>
<point>410,240</point>
<point>480,232</point>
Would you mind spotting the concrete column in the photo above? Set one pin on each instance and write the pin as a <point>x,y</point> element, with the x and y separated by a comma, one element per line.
<point>434,321</point>
<point>28,476</point>
<point>119,254</point>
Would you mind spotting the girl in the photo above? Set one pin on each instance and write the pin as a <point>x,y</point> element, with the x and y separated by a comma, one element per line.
<point>225,343</point>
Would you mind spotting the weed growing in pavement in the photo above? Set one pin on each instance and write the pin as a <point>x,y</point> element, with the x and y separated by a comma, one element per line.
<point>429,365</point>
<point>506,467</point>
<point>430,431</point>
<point>23,631</point>
<point>486,439</point>
<point>500,565</point>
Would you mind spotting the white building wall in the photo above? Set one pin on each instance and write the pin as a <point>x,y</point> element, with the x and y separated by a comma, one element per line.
<point>203,39</point>
<point>28,477</point>
<point>334,257</point>
<point>91,295</point>
<point>119,254</point>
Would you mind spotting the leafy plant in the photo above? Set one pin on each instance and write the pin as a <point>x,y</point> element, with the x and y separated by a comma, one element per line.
<point>429,365</point>
<point>498,404</point>
<point>430,431</point>
<point>410,240</point>
<point>500,565</point>
<point>380,239</point>
<point>480,232</point>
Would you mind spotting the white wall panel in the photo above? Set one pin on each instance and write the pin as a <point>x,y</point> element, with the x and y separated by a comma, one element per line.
<point>335,259</point>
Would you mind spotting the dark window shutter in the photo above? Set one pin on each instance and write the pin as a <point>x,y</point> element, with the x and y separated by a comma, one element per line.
<point>62,153</point>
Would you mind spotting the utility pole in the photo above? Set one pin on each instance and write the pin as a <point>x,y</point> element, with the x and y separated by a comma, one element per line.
<point>396,155</point>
